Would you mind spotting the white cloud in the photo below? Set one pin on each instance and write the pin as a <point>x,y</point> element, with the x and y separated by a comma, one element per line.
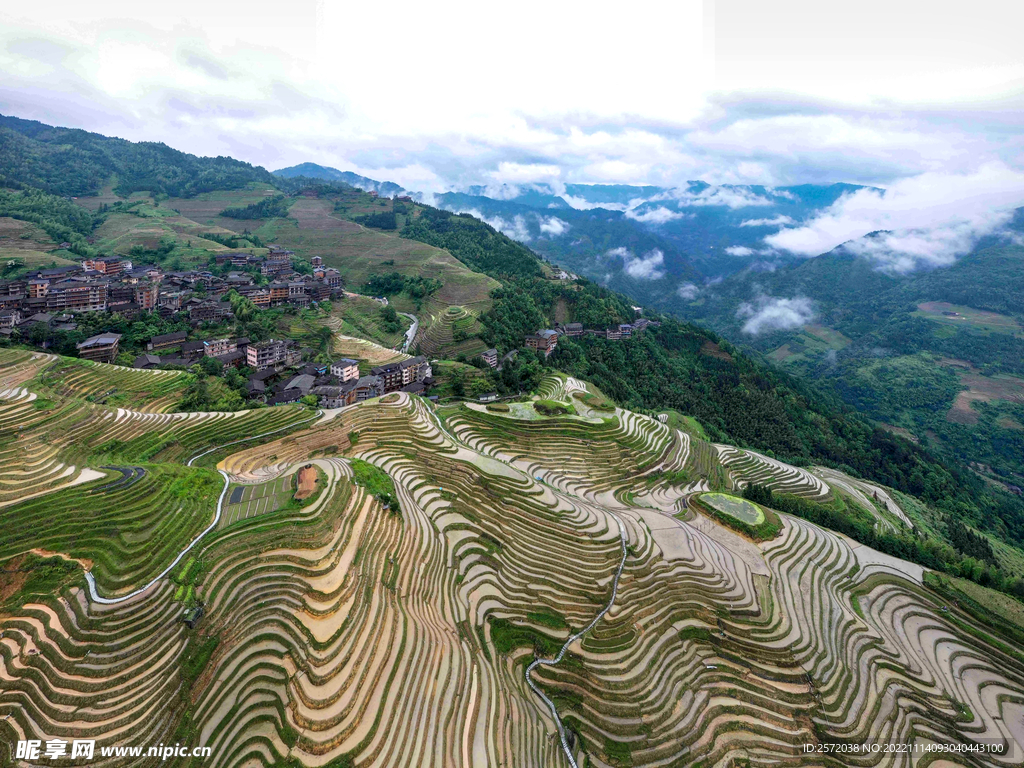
<point>516,227</point>
<point>729,197</point>
<point>687,291</point>
<point>646,267</point>
<point>929,219</point>
<point>658,215</point>
<point>553,226</point>
<point>264,87</point>
<point>775,314</point>
<point>778,221</point>
<point>740,250</point>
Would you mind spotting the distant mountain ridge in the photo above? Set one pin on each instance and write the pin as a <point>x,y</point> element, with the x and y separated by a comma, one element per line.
<point>314,171</point>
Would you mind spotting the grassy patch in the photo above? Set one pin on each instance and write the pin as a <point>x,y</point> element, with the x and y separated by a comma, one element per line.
<point>553,408</point>
<point>378,483</point>
<point>767,528</point>
<point>508,636</point>
<point>31,577</point>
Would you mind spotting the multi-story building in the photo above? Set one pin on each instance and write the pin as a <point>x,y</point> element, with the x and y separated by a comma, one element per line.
<point>415,369</point>
<point>146,294</point>
<point>266,354</point>
<point>102,348</point>
<point>543,341</point>
<point>261,298</point>
<point>108,265</point>
<point>369,386</point>
<point>9,318</point>
<point>76,296</point>
<point>166,341</point>
<point>572,330</point>
<point>218,347</point>
<point>490,357</point>
<point>207,311</point>
<point>332,277</point>
<point>38,287</point>
<point>389,375</point>
<point>345,369</point>
<point>278,293</point>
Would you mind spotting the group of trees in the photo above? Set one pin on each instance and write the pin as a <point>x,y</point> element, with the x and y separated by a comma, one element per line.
<point>267,208</point>
<point>382,220</point>
<point>394,283</point>
<point>61,219</point>
<point>474,243</point>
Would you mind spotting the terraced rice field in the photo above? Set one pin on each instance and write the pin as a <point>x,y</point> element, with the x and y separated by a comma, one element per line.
<point>743,510</point>
<point>440,327</point>
<point>347,633</point>
<point>150,391</point>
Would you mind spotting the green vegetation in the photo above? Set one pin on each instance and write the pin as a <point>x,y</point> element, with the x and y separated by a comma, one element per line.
<point>741,509</point>
<point>472,242</point>
<point>65,161</point>
<point>379,220</point>
<point>268,208</point>
<point>507,637</point>
<point>553,408</point>
<point>61,219</point>
<point>758,523</point>
<point>35,577</point>
<point>377,483</point>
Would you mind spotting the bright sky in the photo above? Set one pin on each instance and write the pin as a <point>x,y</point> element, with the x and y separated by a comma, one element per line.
<point>435,95</point>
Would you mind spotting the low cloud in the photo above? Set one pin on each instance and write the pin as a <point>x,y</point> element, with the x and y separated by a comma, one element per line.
<point>925,221</point>
<point>516,227</point>
<point>553,226</point>
<point>659,215</point>
<point>646,267</point>
<point>730,197</point>
<point>778,221</point>
<point>687,291</point>
<point>768,313</point>
<point>740,250</point>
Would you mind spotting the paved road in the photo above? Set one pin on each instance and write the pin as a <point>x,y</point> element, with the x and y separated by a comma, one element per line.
<point>411,333</point>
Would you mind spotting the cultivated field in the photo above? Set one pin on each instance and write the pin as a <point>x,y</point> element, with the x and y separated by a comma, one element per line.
<point>977,319</point>
<point>478,590</point>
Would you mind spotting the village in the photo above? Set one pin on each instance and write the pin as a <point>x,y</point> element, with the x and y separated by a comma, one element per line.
<point>278,371</point>
<point>53,297</point>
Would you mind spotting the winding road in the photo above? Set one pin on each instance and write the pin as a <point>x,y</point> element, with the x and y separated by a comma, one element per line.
<point>411,333</point>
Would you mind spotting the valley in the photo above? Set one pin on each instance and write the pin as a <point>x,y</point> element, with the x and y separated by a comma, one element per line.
<point>368,482</point>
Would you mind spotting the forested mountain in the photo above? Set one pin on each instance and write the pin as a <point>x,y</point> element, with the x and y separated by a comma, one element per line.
<point>314,171</point>
<point>939,353</point>
<point>71,162</point>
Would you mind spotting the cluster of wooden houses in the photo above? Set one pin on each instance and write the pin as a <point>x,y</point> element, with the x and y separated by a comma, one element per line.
<point>546,341</point>
<point>52,297</point>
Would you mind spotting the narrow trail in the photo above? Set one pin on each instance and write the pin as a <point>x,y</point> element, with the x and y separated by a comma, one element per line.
<point>572,639</point>
<point>90,580</point>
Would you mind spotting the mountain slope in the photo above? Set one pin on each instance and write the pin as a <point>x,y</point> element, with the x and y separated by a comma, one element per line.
<point>469,587</point>
<point>68,161</point>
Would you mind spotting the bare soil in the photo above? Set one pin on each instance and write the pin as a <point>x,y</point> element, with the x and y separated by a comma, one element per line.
<point>307,483</point>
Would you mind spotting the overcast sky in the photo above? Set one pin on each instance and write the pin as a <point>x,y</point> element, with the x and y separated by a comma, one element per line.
<point>436,95</point>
